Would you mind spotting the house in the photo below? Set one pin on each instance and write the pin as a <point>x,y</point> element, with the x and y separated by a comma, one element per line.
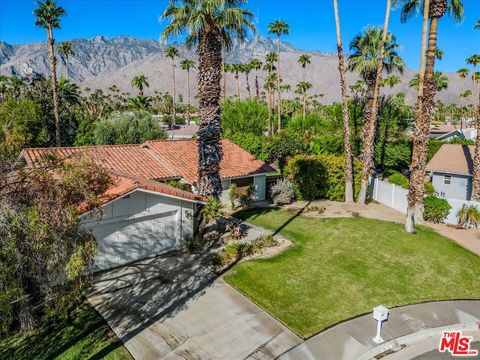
<point>451,169</point>
<point>182,132</point>
<point>142,216</point>
<point>449,132</point>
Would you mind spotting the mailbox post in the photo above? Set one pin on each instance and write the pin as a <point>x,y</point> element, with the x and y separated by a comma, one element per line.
<point>380,313</point>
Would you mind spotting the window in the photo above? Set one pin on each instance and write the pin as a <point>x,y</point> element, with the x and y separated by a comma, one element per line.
<point>447,179</point>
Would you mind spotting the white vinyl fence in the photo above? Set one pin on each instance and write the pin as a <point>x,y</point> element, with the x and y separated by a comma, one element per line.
<point>395,197</point>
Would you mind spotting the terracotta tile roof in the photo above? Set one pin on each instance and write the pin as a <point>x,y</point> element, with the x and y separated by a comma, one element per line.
<point>453,159</point>
<point>129,159</point>
<point>182,156</point>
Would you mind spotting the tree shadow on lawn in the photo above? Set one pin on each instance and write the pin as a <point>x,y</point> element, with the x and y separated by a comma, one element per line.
<point>256,212</point>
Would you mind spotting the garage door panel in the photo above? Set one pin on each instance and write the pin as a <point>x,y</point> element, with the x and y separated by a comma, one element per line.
<point>129,240</point>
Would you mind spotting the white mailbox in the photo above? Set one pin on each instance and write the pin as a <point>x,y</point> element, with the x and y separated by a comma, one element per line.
<point>380,313</point>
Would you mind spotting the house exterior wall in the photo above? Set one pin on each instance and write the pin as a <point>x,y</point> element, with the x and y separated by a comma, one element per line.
<point>460,186</point>
<point>140,225</point>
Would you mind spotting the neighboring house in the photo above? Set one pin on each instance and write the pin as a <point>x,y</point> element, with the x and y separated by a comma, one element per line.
<point>450,132</point>
<point>181,132</point>
<point>142,216</point>
<point>451,169</point>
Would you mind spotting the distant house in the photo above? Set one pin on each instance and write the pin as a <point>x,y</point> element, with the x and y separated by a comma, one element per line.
<point>451,169</point>
<point>181,132</point>
<point>142,216</point>
<point>450,132</point>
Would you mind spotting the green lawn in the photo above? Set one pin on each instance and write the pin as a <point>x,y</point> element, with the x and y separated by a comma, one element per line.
<point>86,337</point>
<point>339,268</point>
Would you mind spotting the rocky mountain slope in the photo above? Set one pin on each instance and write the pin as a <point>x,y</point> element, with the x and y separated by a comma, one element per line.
<point>101,62</point>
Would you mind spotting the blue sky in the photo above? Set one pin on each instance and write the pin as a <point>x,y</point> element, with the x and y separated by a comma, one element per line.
<point>311,22</point>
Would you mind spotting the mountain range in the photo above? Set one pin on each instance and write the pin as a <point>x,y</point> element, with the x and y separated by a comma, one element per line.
<point>101,62</point>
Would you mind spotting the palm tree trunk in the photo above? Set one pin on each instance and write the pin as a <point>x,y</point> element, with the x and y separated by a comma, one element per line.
<point>257,87</point>
<point>476,157</point>
<point>174,94</point>
<point>422,124</point>
<point>189,97</point>
<point>237,83</point>
<point>461,110</point>
<point>208,137</point>
<point>279,90</point>
<point>345,114</point>
<point>304,105</point>
<point>270,112</point>
<point>371,124</point>
<point>248,86</point>
<point>53,70</point>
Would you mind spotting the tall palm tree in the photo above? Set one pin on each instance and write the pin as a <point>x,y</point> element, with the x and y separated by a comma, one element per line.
<point>474,60</point>
<point>237,69</point>
<point>425,101</point>
<point>187,65</point>
<point>210,26</point>
<point>140,81</point>
<point>246,68</point>
<point>302,89</point>
<point>65,49</point>
<point>48,16</point>
<point>256,64</point>
<point>345,113</point>
<point>367,57</point>
<point>172,52</point>
<point>463,73</point>
<point>269,84</point>
<point>304,60</point>
<point>279,28</point>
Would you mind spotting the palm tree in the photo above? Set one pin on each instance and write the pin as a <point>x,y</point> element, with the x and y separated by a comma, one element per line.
<point>209,26</point>
<point>246,68</point>
<point>302,89</point>
<point>256,65</point>
<point>269,84</point>
<point>140,81</point>
<point>345,113</point>
<point>48,17</point>
<point>477,25</point>
<point>433,10</point>
<point>237,69</point>
<point>279,28</point>
<point>304,60</point>
<point>391,81</point>
<point>187,65</point>
<point>463,73</point>
<point>16,84</point>
<point>474,60</point>
<point>441,81</point>
<point>65,49</point>
<point>367,58</point>
<point>172,52</point>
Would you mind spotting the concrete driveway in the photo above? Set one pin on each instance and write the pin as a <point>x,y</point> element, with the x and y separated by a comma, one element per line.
<point>173,307</point>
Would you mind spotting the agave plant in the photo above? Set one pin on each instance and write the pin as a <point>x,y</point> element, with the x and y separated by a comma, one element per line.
<point>468,216</point>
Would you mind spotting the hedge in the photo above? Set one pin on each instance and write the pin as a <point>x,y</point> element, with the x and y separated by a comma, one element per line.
<point>320,176</point>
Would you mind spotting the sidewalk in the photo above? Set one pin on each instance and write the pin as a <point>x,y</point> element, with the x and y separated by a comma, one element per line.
<point>468,238</point>
<point>407,326</point>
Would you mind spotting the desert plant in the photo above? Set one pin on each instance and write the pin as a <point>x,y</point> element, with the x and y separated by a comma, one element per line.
<point>233,194</point>
<point>282,192</point>
<point>236,228</point>
<point>228,254</point>
<point>468,216</point>
<point>436,209</point>
<point>263,242</point>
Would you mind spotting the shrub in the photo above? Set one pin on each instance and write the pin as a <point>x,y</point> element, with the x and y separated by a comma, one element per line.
<point>398,179</point>
<point>228,254</point>
<point>263,242</point>
<point>128,128</point>
<point>468,216</point>
<point>248,197</point>
<point>435,209</point>
<point>320,176</point>
<point>179,185</point>
<point>233,194</point>
<point>212,210</point>
<point>282,192</point>
<point>247,116</point>
<point>429,189</point>
<point>236,228</point>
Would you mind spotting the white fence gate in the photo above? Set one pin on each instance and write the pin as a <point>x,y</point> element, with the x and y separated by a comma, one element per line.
<point>395,197</point>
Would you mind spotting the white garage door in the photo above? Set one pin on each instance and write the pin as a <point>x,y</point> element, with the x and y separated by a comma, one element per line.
<point>124,241</point>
